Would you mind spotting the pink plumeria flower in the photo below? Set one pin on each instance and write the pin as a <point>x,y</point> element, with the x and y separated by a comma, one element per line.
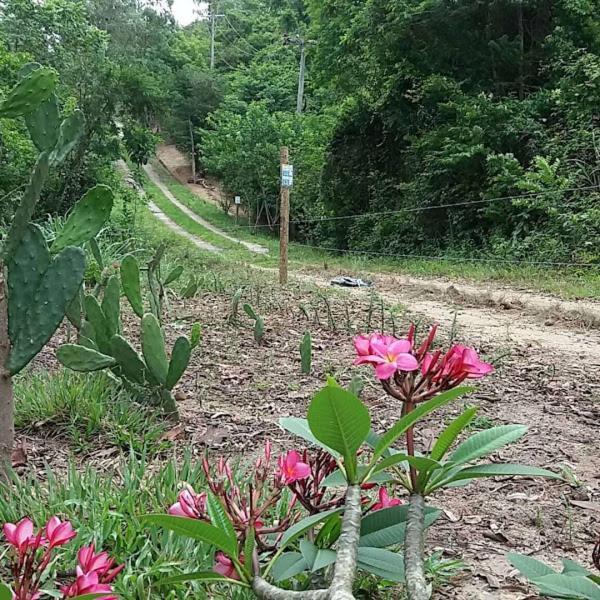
<point>385,501</point>
<point>189,504</point>
<point>387,354</point>
<point>59,532</point>
<point>224,566</point>
<point>100,563</point>
<point>20,535</point>
<point>88,583</point>
<point>291,468</point>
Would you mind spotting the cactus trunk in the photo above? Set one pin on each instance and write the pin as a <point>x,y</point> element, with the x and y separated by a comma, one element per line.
<point>7,428</point>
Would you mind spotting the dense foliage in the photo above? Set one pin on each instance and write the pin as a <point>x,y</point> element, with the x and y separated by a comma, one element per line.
<point>408,107</point>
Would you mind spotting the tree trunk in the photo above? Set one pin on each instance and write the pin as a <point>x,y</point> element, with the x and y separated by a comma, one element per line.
<point>416,585</point>
<point>7,426</point>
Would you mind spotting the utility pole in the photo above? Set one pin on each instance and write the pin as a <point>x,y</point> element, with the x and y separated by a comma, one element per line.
<point>213,30</point>
<point>298,41</point>
<point>284,218</point>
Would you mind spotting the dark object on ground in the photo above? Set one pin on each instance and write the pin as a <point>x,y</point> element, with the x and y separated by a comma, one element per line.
<point>344,281</point>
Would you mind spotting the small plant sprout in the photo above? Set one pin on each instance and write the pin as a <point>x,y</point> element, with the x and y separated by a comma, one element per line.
<point>259,324</point>
<point>306,353</point>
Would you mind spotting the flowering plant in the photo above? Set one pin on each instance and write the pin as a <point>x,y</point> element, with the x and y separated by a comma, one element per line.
<point>32,553</point>
<point>313,513</point>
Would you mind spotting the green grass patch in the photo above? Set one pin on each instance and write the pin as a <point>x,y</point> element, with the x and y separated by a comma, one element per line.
<point>88,410</point>
<point>106,508</point>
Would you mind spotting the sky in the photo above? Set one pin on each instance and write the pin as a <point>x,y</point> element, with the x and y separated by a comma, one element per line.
<point>185,11</point>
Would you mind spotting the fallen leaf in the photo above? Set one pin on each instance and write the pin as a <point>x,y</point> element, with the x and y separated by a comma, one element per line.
<point>586,504</point>
<point>19,456</point>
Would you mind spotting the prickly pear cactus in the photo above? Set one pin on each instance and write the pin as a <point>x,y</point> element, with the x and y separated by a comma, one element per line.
<point>180,359</point>
<point>85,360</point>
<point>71,130</point>
<point>153,348</point>
<point>29,93</point>
<point>86,219</point>
<point>130,280</point>
<point>46,308</point>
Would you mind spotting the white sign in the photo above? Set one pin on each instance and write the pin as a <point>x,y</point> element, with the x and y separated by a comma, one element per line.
<point>287,176</point>
<point>238,200</point>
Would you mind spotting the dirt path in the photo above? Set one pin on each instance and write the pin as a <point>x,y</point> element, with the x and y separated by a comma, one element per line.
<point>155,177</point>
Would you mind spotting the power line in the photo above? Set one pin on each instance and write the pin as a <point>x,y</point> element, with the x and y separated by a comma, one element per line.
<point>240,35</point>
<point>433,207</point>
<point>453,258</point>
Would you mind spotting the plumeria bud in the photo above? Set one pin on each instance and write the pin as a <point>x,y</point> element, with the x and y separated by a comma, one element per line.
<point>268,451</point>
<point>189,504</point>
<point>59,532</point>
<point>224,566</point>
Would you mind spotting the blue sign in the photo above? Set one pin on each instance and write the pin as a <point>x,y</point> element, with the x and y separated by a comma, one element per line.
<point>287,176</point>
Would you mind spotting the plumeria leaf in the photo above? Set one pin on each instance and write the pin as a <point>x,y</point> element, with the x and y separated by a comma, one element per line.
<point>406,422</point>
<point>496,470</point>
<point>341,421</point>
<point>218,517</point>
<point>383,563</point>
<point>289,565</point>
<point>529,567</point>
<point>294,532</point>
<point>485,442</point>
<point>338,479</point>
<point>249,546</point>
<point>316,558</point>
<point>330,532</point>
<point>299,427</point>
<point>421,463</point>
<point>5,592</point>
<point>570,567</point>
<point>309,552</point>
<point>198,530</point>
<point>565,586</point>
<point>208,576</point>
<point>452,431</point>
<point>387,527</point>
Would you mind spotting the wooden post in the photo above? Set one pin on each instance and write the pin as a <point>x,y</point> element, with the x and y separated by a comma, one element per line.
<point>193,151</point>
<point>284,220</point>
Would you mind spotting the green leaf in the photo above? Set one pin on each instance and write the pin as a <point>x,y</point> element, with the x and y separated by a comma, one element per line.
<point>383,563</point>
<point>338,479</point>
<point>498,470</point>
<point>565,586</point>
<point>447,437</point>
<point>249,546</point>
<point>387,527</point>
<point>528,567</point>
<point>406,422</point>
<point>195,529</point>
<point>316,558</point>
<point>299,427</point>
<point>89,597</point>
<point>288,565</point>
<point>421,463</point>
<point>208,576</point>
<point>340,420</point>
<point>5,592</point>
<point>295,531</point>
<point>570,567</point>
<point>219,519</point>
<point>485,442</point>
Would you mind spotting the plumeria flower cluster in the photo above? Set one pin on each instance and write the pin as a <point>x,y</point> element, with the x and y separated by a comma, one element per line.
<point>414,373</point>
<point>33,551</point>
<point>252,505</point>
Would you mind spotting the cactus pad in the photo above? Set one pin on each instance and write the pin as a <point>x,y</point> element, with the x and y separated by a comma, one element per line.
<point>43,124</point>
<point>36,87</point>
<point>132,366</point>
<point>86,219</point>
<point>26,267</point>
<point>80,358</point>
<point>153,348</point>
<point>180,359</point>
<point>130,280</point>
<point>95,315</point>
<point>111,305</point>
<point>71,130</point>
<point>27,205</point>
<point>56,290</point>
<point>174,275</point>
